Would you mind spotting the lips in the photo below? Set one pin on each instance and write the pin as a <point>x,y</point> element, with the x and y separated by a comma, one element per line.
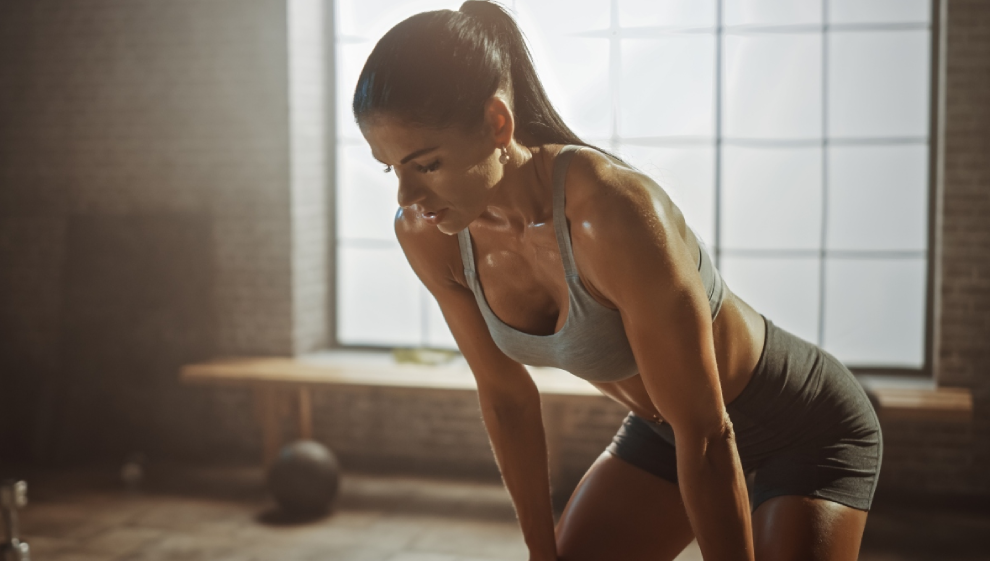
<point>434,217</point>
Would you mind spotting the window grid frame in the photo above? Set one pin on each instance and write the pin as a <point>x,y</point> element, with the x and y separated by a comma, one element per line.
<point>615,34</point>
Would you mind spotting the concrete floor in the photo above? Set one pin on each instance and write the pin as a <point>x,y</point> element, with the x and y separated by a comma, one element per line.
<point>223,514</point>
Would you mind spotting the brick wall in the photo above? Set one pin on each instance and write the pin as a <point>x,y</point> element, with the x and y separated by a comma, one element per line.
<point>441,432</point>
<point>145,219</point>
<point>964,345</point>
<point>309,114</point>
<point>965,303</point>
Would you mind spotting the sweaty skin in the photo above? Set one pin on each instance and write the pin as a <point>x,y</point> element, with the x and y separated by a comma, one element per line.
<point>517,257</point>
<point>634,254</point>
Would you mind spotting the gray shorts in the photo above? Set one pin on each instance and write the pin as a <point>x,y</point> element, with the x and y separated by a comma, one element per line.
<point>803,426</point>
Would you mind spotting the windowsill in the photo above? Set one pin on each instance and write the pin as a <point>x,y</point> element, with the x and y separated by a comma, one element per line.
<point>885,381</point>
<point>363,367</point>
<point>454,371</point>
<point>894,397</point>
<point>915,398</point>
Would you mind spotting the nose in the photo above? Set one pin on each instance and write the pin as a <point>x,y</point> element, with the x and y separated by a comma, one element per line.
<point>410,193</point>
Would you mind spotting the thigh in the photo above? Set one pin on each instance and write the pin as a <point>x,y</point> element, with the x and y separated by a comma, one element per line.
<point>795,528</point>
<point>619,511</point>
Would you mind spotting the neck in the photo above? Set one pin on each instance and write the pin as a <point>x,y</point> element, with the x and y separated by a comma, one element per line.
<point>523,197</point>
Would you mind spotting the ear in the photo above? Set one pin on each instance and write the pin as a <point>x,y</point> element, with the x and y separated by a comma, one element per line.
<point>500,121</point>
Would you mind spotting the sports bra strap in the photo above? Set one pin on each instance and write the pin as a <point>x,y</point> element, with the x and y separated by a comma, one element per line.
<point>467,252</point>
<point>560,166</point>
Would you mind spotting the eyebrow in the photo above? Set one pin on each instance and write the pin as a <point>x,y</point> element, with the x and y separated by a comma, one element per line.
<point>417,154</point>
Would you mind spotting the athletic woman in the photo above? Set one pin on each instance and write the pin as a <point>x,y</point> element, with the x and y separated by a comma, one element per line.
<point>543,250</point>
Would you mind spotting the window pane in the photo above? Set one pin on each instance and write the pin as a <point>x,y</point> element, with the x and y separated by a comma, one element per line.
<point>370,19</point>
<point>574,70</point>
<point>875,312</point>
<point>663,13</point>
<point>773,86</point>
<point>878,197</point>
<point>878,84</point>
<point>771,198</point>
<point>785,290</point>
<point>560,17</point>
<point>879,11</point>
<point>378,298</point>
<point>687,175</point>
<point>366,196</point>
<point>350,61</point>
<point>667,86</point>
<point>772,12</point>
<point>438,335</point>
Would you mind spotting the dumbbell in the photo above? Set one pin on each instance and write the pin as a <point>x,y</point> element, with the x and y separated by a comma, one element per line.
<point>13,495</point>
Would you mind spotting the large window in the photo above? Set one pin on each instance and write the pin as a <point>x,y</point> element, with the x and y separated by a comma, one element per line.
<point>792,133</point>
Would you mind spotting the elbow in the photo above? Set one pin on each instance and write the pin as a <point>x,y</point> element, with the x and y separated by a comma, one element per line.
<point>707,439</point>
<point>721,435</point>
<point>723,429</point>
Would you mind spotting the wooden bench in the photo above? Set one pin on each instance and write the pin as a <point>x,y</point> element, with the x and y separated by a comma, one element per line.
<point>274,379</point>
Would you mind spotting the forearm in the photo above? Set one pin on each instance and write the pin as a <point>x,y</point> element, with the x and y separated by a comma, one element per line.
<point>714,492</point>
<point>517,436</point>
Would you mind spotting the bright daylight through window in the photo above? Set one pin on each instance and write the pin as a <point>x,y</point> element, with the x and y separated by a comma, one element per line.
<point>793,135</point>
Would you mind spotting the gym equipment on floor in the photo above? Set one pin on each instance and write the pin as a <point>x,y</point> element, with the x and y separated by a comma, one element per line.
<point>304,478</point>
<point>13,496</point>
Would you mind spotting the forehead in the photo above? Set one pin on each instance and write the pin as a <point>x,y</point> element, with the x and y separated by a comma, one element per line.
<point>391,139</point>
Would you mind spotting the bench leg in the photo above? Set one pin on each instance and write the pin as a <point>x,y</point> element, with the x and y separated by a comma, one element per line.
<point>266,404</point>
<point>305,414</point>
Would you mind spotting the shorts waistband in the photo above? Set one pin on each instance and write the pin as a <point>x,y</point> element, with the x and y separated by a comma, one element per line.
<point>751,391</point>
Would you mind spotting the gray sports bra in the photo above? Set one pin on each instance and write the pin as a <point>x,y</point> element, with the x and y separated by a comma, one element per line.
<point>592,344</point>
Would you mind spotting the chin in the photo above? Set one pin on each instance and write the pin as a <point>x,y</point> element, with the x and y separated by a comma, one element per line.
<point>452,225</point>
<point>447,229</point>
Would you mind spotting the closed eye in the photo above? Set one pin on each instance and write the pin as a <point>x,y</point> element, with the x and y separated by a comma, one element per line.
<point>429,168</point>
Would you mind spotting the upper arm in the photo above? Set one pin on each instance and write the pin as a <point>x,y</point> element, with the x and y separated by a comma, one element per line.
<point>435,258</point>
<point>628,243</point>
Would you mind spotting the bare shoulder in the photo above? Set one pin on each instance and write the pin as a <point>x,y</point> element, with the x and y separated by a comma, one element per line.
<point>610,202</point>
<point>623,226</point>
<point>433,255</point>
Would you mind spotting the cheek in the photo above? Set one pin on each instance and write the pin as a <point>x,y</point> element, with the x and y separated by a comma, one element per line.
<point>469,183</point>
<point>461,190</point>
<point>486,174</point>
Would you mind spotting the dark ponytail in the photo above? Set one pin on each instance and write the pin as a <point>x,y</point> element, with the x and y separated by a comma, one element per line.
<point>437,69</point>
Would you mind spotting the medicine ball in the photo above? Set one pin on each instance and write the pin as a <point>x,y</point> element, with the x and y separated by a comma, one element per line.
<point>304,478</point>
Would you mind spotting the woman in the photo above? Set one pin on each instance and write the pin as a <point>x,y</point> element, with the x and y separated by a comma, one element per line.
<point>543,250</point>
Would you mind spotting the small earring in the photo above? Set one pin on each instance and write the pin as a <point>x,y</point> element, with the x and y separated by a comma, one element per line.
<point>504,156</point>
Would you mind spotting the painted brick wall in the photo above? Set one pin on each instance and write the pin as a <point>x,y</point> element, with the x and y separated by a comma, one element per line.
<point>965,297</point>
<point>965,342</point>
<point>441,432</point>
<point>144,206</point>
<point>309,119</point>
